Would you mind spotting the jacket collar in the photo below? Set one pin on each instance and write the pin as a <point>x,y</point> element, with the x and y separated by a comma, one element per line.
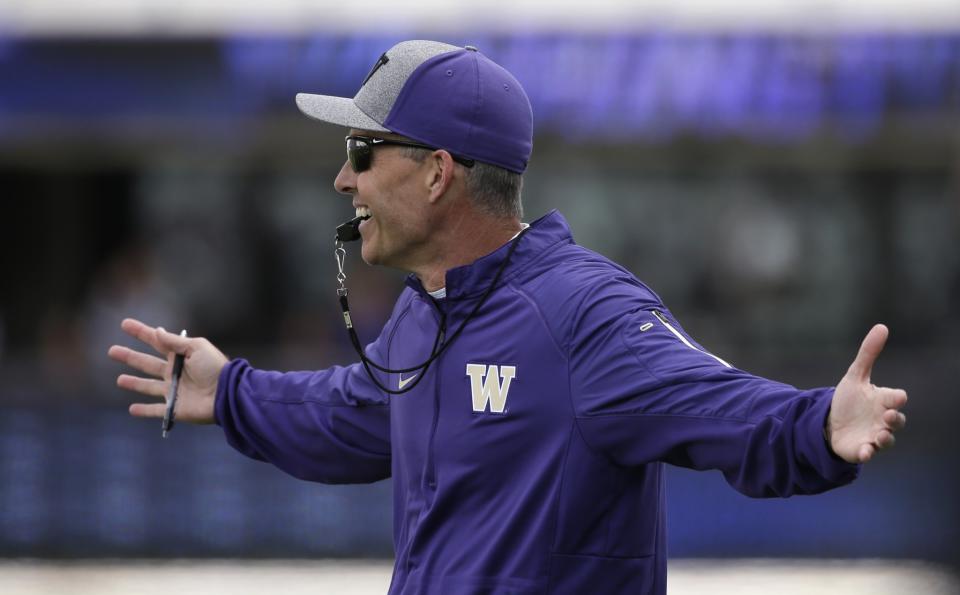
<point>472,280</point>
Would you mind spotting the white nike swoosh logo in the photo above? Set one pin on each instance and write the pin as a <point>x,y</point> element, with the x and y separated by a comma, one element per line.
<point>403,382</point>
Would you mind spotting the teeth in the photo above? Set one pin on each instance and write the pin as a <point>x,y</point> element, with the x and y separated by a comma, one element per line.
<point>364,212</point>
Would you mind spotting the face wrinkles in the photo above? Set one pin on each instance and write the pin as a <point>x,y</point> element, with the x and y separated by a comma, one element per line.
<point>396,231</point>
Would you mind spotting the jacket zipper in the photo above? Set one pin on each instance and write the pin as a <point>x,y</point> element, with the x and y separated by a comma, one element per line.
<point>676,333</point>
<point>428,467</point>
<point>430,470</point>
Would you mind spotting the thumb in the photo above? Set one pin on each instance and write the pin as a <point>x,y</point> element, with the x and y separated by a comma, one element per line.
<point>870,350</point>
<point>172,343</point>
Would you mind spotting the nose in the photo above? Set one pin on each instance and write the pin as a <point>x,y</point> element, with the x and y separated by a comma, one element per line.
<point>346,182</point>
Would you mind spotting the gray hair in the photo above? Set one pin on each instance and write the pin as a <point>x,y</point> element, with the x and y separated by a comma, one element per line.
<point>493,189</point>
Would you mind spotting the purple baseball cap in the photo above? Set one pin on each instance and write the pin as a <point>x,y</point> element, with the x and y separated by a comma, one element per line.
<point>441,95</point>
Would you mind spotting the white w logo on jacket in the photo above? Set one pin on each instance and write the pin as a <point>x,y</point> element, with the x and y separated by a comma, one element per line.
<point>494,389</point>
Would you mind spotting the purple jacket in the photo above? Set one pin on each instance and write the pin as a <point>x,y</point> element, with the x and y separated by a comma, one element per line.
<point>529,459</point>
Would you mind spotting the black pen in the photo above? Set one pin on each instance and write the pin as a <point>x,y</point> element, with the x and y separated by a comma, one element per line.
<point>174,383</point>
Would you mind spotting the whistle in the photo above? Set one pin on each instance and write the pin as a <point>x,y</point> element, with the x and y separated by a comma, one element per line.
<point>349,231</point>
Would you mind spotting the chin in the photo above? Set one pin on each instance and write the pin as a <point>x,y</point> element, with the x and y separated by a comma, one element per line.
<point>369,254</point>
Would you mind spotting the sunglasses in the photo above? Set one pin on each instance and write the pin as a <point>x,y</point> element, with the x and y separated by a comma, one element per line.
<point>360,151</point>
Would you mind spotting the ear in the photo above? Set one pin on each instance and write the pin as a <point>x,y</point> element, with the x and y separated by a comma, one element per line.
<point>439,174</point>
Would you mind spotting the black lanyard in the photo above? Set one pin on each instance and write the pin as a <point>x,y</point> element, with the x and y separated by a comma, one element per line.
<point>439,342</point>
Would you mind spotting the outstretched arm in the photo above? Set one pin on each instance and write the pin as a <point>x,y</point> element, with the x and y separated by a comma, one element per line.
<point>331,425</point>
<point>645,391</point>
<point>863,417</point>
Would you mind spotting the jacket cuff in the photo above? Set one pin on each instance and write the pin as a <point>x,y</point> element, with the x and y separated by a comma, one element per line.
<point>814,446</point>
<point>229,378</point>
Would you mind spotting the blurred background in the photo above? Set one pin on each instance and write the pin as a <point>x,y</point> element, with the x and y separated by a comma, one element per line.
<point>783,173</point>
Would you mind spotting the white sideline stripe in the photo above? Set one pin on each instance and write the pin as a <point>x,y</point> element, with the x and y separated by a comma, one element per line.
<point>366,577</point>
<point>139,17</point>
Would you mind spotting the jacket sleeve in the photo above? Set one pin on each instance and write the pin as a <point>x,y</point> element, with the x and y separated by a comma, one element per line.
<point>644,391</point>
<point>330,426</point>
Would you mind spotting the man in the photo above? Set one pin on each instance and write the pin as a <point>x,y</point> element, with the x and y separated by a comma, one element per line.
<point>525,392</point>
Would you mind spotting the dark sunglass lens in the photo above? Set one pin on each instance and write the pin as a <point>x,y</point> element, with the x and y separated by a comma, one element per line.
<point>358,152</point>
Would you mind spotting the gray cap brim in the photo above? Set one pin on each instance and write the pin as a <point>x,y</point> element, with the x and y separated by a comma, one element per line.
<point>336,110</point>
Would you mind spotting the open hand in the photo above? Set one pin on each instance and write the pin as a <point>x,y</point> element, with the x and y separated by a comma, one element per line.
<point>864,417</point>
<point>198,384</point>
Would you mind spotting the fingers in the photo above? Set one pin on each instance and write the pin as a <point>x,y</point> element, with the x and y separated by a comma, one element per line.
<point>171,342</point>
<point>146,386</point>
<point>162,341</point>
<point>148,410</point>
<point>142,332</point>
<point>892,398</point>
<point>885,439</point>
<point>148,364</point>
<point>869,351</point>
<point>894,420</point>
